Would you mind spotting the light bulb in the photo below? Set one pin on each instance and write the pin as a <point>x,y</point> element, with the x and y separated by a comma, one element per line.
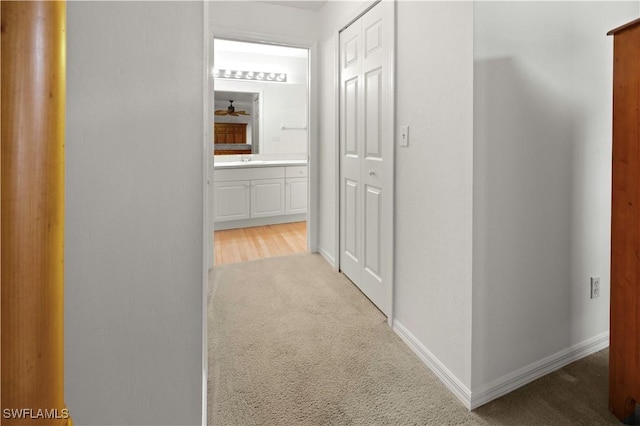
<point>260,76</point>
<point>250,74</point>
<point>271,76</point>
<point>238,74</point>
<point>227,73</point>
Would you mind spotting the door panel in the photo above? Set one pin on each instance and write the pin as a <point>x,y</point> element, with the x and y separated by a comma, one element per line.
<point>366,153</point>
<point>351,115</point>
<point>267,197</point>
<point>232,200</point>
<point>373,110</point>
<point>296,196</point>
<point>372,225</point>
<point>351,219</point>
<point>351,51</point>
<point>373,37</point>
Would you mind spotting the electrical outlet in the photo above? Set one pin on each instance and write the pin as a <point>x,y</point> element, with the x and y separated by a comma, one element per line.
<point>595,287</point>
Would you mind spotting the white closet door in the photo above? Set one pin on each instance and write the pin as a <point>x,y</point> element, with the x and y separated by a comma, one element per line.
<point>366,153</point>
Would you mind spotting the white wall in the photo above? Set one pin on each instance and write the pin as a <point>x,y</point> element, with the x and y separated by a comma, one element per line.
<point>542,179</point>
<point>264,18</point>
<point>134,237</point>
<point>434,179</point>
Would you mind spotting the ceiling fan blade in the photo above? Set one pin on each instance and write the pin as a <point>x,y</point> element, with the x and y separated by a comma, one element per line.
<point>242,113</point>
<point>221,112</point>
<point>234,114</point>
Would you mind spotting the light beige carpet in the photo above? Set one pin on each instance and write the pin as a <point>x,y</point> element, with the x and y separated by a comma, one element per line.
<point>291,342</point>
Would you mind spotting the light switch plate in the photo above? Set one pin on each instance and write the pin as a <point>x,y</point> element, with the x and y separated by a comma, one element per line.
<point>404,136</point>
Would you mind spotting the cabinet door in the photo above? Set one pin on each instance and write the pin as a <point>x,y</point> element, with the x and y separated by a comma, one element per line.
<point>267,197</point>
<point>296,198</point>
<point>231,200</point>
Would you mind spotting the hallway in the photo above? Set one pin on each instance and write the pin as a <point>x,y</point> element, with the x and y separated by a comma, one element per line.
<point>292,342</point>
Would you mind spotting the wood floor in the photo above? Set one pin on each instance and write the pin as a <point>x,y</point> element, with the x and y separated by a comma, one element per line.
<point>259,242</point>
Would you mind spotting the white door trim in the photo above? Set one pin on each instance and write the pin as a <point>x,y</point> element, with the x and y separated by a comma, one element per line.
<point>312,116</point>
<point>207,187</point>
<point>392,92</point>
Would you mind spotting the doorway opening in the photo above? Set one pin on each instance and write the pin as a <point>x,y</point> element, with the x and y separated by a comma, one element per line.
<point>261,143</point>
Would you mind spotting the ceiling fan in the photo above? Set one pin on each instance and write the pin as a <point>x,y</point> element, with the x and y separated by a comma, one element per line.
<point>231,110</point>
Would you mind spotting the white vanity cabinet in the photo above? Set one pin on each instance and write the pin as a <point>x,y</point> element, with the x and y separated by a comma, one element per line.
<point>267,197</point>
<point>232,200</point>
<point>296,189</point>
<point>252,196</point>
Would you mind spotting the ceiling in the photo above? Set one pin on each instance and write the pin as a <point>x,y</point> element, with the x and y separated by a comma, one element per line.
<point>300,4</point>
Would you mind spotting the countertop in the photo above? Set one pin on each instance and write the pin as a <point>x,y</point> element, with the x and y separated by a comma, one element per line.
<point>257,163</point>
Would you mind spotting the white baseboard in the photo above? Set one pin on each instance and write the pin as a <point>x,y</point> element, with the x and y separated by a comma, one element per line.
<point>326,256</point>
<point>439,369</point>
<point>521,377</point>
<point>508,382</point>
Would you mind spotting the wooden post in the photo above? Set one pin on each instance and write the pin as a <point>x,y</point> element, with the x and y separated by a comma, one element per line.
<point>32,169</point>
<point>624,338</point>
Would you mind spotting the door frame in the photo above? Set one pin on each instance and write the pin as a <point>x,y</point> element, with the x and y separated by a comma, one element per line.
<point>312,116</point>
<point>392,93</point>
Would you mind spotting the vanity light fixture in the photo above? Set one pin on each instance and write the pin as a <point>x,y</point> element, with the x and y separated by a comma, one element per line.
<point>250,75</point>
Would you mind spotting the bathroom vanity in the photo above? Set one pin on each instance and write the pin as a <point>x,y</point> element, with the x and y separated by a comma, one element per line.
<point>258,192</point>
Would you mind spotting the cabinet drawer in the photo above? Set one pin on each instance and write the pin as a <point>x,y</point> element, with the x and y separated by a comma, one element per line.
<point>296,171</point>
<point>249,173</point>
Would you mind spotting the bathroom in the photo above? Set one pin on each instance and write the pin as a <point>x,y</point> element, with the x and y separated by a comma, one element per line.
<point>261,139</point>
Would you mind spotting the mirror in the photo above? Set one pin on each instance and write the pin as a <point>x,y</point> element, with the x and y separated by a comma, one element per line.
<point>261,99</point>
<point>237,122</point>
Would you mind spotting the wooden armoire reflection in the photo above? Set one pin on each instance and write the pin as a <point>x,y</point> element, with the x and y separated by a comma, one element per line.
<point>624,348</point>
